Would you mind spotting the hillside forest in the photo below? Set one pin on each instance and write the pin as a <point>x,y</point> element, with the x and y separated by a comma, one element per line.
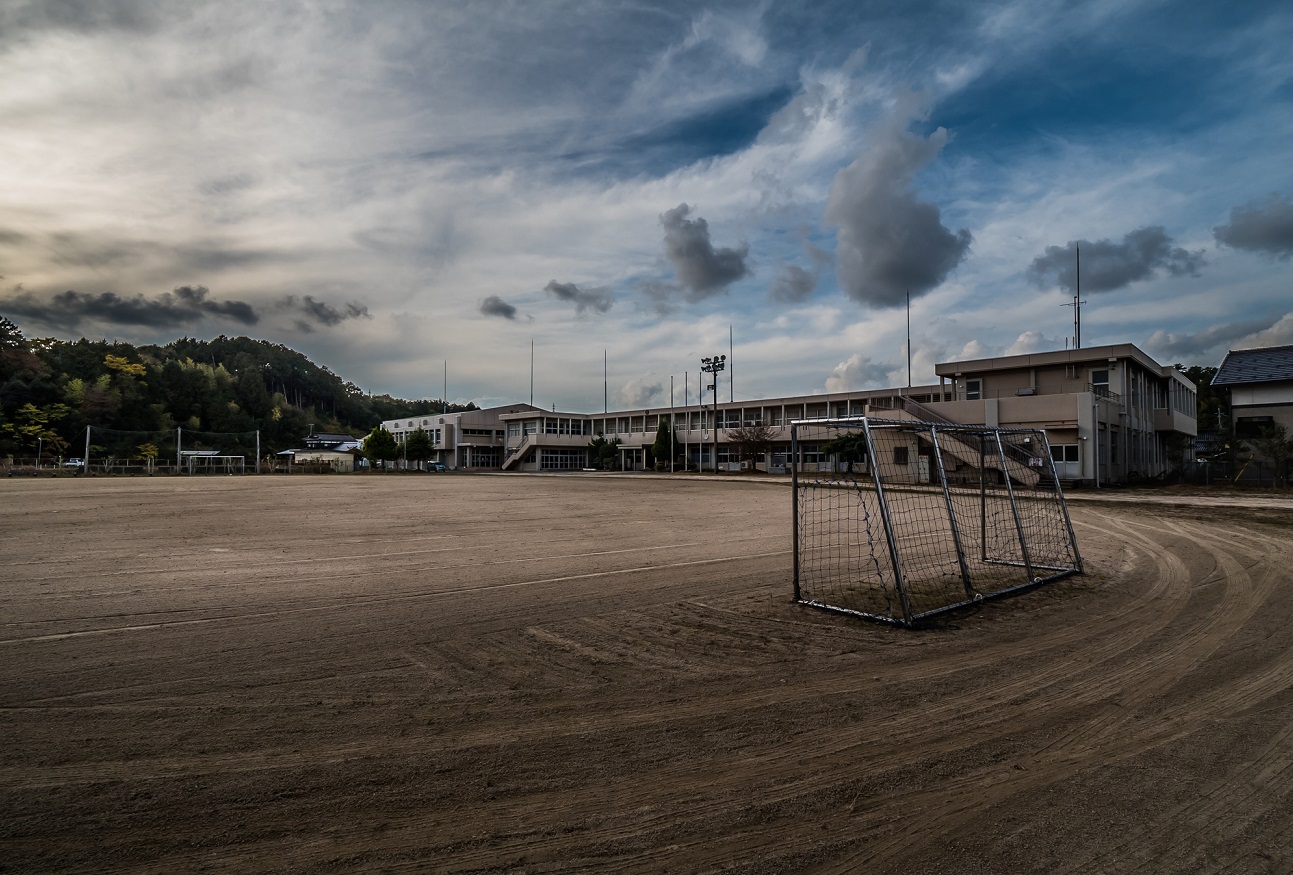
<point>50,390</point>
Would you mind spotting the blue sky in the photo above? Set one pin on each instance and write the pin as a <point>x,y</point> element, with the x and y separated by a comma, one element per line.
<point>391,185</point>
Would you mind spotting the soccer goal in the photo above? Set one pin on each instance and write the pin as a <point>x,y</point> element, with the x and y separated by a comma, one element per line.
<point>899,521</point>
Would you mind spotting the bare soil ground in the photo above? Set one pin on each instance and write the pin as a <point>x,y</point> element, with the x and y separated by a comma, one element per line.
<point>552,674</point>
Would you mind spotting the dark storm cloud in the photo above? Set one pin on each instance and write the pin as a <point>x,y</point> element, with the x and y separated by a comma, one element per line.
<point>890,242</point>
<point>702,270</point>
<point>183,306</point>
<point>1187,346</point>
<point>1265,227</point>
<point>1107,266</point>
<point>496,306</point>
<point>320,312</point>
<point>597,298</point>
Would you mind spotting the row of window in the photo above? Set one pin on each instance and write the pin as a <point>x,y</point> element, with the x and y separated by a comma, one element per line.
<point>433,433</point>
<point>562,459</point>
<point>693,420</point>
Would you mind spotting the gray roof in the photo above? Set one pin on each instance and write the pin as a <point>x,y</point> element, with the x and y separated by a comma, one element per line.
<point>1265,365</point>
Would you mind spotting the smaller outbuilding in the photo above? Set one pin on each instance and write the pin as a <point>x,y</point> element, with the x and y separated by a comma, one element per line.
<point>1261,388</point>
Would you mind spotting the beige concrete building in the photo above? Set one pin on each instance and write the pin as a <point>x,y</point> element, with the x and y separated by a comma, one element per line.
<point>470,439</point>
<point>1112,415</point>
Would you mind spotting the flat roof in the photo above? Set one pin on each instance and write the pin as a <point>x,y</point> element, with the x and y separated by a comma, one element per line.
<point>1055,357</point>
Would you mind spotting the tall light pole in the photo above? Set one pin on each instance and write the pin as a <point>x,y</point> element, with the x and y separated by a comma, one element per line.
<point>714,365</point>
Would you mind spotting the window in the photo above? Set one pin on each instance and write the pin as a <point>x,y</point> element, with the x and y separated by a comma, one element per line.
<point>1251,426</point>
<point>1100,382</point>
<point>514,429</point>
<point>900,456</point>
<point>563,460</point>
<point>530,427</point>
<point>811,454</point>
<point>1064,452</point>
<point>973,390</point>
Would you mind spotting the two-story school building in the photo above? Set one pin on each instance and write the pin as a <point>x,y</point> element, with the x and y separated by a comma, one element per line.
<point>1111,413</point>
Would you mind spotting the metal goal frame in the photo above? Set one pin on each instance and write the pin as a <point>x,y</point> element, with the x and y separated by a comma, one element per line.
<point>922,517</point>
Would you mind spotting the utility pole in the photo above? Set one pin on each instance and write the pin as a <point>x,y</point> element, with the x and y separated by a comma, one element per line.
<point>714,365</point>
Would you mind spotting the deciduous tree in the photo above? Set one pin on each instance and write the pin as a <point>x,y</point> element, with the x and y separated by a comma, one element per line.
<point>752,442</point>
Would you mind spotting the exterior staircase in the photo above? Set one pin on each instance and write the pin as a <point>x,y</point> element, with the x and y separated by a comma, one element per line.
<point>1016,463</point>
<point>516,454</point>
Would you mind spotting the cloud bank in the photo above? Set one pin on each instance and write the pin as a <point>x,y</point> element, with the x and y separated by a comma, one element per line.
<point>596,298</point>
<point>1265,227</point>
<point>889,242</point>
<point>184,307</point>
<point>496,306</point>
<point>1107,266</point>
<point>702,270</point>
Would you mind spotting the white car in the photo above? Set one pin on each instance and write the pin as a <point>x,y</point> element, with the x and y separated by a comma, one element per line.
<point>73,463</point>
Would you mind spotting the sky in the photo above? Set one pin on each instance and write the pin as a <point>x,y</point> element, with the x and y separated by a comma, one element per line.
<point>400,188</point>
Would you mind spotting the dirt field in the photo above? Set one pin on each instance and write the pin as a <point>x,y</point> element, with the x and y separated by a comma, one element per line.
<point>595,674</point>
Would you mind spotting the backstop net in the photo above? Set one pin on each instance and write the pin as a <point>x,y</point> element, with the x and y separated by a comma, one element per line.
<point>899,520</point>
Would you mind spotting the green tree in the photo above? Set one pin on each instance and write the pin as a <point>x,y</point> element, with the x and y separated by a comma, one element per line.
<point>418,446</point>
<point>380,446</point>
<point>665,447</point>
<point>1275,445</point>
<point>604,454</point>
<point>848,448</point>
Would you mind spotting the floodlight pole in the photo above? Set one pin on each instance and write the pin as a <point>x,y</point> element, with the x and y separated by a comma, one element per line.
<point>257,451</point>
<point>713,365</point>
<point>85,460</point>
<point>179,450</point>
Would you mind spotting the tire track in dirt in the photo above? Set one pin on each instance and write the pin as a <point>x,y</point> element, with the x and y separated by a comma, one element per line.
<point>732,718</point>
<point>1067,762</point>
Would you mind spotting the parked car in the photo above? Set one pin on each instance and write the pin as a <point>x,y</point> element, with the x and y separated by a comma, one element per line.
<point>73,463</point>
<point>436,466</point>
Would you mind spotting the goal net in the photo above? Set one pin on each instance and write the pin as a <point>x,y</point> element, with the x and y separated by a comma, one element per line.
<point>176,450</point>
<point>900,520</point>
